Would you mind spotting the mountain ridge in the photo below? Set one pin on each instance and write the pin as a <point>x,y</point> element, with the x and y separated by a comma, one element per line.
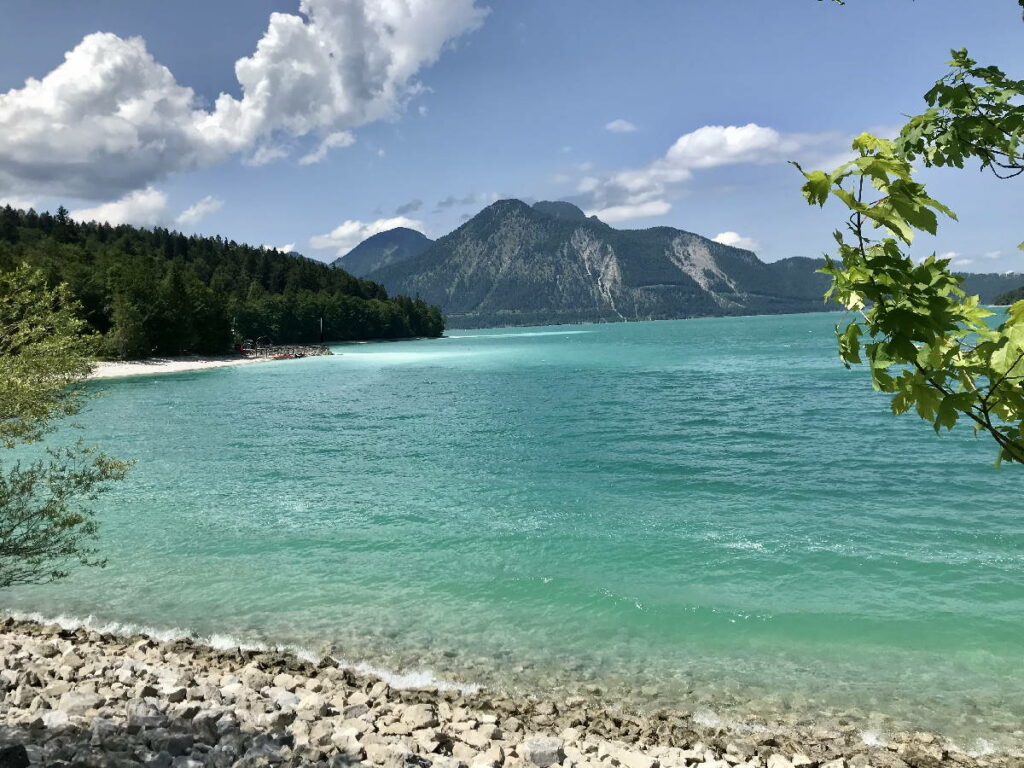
<point>548,263</point>
<point>389,247</point>
<point>514,263</point>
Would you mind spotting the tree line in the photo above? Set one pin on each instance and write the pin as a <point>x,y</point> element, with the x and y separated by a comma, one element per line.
<point>158,292</point>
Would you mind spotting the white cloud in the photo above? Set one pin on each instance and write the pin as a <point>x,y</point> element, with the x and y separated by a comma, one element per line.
<point>993,254</point>
<point>143,208</point>
<point>111,120</point>
<point>620,126</point>
<point>736,240</point>
<point>196,213</point>
<point>18,203</point>
<point>955,259</point>
<point>287,247</point>
<point>331,141</point>
<point>351,233</point>
<point>616,213</point>
<point>266,154</point>
<point>646,189</point>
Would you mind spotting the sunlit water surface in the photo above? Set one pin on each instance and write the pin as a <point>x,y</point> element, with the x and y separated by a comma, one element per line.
<point>707,514</point>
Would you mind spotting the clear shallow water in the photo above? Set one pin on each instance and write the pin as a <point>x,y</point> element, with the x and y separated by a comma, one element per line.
<point>704,513</point>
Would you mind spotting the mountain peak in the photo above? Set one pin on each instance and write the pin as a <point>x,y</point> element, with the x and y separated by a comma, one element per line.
<point>388,247</point>
<point>559,209</point>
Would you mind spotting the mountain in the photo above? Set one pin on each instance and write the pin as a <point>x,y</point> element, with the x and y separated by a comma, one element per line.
<point>513,264</point>
<point>390,247</point>
<point>560,210</point>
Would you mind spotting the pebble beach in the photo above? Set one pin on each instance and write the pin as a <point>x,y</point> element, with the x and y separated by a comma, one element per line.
<point>76,696</point>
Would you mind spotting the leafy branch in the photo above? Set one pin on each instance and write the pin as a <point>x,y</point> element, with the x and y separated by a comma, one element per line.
<point>927,341</point>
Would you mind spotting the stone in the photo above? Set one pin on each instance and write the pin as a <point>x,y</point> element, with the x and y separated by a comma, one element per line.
<point>14,756</point>
<point>286,681</point>
<point>176,695</point>
<point>475,738</point>
<point>883,758</point>
<point>282,697</point>
<point>464,752</point>
<point>78,704</point>
<point>420,716</point>
<point>542,751</point>
<point>632,759</point>
<point>253,678</point>
<point>919,754</point>
<point>160,760</point>
<point>838,763</point>
<point>800,760</point>
<point>779,761</point>
<point>55,718</point>
<point>494,757</point>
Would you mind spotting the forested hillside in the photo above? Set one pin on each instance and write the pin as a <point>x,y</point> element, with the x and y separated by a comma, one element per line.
<point>158,292</point>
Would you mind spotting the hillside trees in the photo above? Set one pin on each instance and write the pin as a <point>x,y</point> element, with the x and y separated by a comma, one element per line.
<point>46,523</point>
<point>157,292</point>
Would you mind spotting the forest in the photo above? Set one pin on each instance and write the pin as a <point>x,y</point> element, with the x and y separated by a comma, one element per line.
<point>158,292</point>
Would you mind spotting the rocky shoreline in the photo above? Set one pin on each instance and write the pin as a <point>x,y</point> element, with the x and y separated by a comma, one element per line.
<point>78,697</point>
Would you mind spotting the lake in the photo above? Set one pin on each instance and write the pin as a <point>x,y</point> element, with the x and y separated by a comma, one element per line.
<point>708,514</point>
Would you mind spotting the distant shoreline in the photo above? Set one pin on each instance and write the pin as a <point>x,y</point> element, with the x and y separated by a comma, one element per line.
<point>116,369</point>
<point>119,369</point>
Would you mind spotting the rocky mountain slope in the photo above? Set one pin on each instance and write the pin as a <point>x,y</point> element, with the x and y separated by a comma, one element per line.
<point>513,264</point>
<point>391,247</point>
<point>516,264</point>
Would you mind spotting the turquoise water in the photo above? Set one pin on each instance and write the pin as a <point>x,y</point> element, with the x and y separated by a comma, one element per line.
<point>709,514</point>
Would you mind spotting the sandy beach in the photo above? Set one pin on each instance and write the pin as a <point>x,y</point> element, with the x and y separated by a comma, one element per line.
<point>115,369</point>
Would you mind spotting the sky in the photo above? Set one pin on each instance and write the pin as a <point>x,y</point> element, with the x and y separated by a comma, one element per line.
<point>309,125</point>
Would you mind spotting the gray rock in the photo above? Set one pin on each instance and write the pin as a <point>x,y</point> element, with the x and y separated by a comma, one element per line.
<point>420,716</point>
<point>161,760</point>
<point>542,751</point>
<point>175,695</point>
<point>78,704</point>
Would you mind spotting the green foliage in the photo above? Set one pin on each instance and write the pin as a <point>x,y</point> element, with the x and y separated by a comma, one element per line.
<point>973,112</point>
<point>44,354</point>
<point>156,292</point>
<point>45,522</point>
<point>925,341</point>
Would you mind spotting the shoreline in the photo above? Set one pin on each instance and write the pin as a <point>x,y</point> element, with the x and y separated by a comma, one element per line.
<point>73,693</point>
<point>119,369</point>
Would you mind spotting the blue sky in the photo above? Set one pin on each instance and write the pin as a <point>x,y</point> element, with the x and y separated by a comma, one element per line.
<point>359,114</point>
